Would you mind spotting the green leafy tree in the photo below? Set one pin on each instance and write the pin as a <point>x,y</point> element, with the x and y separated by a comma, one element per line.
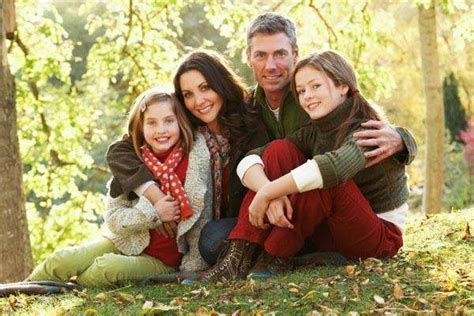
<point>454,112</point>
<point>57,129</point>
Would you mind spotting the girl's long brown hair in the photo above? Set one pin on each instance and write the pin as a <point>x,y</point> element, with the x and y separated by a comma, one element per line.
<point>137,112</point>
<point>339,70</point>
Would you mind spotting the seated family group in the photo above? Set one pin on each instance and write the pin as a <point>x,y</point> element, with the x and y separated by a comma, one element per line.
<point>302,163</point>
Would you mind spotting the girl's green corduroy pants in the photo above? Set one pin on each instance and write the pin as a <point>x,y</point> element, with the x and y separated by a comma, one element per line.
<point>97,263</point>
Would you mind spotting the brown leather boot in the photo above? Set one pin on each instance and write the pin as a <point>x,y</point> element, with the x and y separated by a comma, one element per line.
<point>268,265</point>
<point>234,263</point>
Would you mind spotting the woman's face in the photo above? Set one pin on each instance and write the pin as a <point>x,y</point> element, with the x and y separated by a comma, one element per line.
<point>203,102</point>
<point>317,93</point>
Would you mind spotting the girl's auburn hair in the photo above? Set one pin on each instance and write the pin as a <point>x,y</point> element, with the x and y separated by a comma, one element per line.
<point>340,71</point>
<point>137,113</point>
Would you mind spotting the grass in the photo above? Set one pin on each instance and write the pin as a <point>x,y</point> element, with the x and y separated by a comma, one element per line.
<point>434,274</point>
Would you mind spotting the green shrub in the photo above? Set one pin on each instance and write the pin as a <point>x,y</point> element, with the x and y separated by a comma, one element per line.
<point>458,183</point>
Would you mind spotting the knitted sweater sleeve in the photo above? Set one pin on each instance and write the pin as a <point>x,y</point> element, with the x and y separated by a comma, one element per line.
<point>303,138</point>
<point>341,164</point>
<point>406,156</point>
<point>125,217</point>
<point>126,167</point>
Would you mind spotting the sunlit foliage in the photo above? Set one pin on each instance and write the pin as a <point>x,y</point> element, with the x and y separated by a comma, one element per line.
<point>68,116</point>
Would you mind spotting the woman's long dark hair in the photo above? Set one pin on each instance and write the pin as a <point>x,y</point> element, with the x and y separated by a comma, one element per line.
<point>338,69</point>
<point>234,118</point>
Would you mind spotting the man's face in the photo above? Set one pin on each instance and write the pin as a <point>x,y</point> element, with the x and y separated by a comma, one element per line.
<point>272,60</point>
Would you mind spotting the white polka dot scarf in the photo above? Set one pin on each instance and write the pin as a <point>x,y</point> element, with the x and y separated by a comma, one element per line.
<point>166,176</point>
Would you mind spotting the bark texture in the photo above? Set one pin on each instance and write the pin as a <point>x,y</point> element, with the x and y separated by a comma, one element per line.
<point>434,111</point>
<point>15,250</point>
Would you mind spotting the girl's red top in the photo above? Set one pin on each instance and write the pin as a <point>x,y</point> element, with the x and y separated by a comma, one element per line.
<point>166,249</point>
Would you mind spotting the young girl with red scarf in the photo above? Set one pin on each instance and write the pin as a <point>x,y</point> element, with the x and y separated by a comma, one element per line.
<point>132,248</point>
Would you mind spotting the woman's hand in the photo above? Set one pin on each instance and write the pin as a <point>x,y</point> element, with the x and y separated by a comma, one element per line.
<point>167,209</point>
<point>258,208</point>
<point>276,212</point>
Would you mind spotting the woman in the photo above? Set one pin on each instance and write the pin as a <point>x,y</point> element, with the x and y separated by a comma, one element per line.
<point>216,104</point>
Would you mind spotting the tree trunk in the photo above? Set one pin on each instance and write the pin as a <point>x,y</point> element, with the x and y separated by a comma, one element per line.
<point>15,250</point>
<point>434,111</point>
<point>9,22</point>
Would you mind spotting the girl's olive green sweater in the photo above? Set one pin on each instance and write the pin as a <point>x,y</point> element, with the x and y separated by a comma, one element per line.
<point>384,185</point>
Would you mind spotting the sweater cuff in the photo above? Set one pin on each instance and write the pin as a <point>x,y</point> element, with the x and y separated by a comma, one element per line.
<point>327,170</point>
<point>145,206</point>
<point>408,154</point>
<point>142,188</point>
<point>307,176</point>
<point>246,163</point>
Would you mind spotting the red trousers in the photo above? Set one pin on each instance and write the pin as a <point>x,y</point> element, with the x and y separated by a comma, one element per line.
<point>336,219</point>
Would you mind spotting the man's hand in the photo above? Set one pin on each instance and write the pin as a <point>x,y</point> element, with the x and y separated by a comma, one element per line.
<point>168,230</point>
<point>167,208</point>
<point>276,212</point>
<point>382,136</point>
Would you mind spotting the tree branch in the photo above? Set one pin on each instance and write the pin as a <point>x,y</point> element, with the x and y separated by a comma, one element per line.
<point>137,64</point>
<point>130,23</point>
<point>35,91</point>
<point>328,27</point>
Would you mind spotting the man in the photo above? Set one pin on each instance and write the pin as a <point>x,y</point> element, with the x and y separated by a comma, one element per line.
<point>272,53</point>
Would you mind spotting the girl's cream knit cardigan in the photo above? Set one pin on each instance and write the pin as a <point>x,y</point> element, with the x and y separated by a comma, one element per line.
<point>129,222</point>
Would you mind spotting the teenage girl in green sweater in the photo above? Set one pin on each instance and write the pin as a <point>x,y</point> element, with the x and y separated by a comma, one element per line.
<point>314,184</point>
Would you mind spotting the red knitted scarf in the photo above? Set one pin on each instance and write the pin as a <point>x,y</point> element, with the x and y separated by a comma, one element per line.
<point>166,176</point>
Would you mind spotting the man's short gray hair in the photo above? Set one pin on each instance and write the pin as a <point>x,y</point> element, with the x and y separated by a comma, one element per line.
<point>270,23</point>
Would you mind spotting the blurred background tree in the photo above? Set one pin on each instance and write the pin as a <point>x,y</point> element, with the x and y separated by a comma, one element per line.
<point>79,64</point>
<point>454,113</point>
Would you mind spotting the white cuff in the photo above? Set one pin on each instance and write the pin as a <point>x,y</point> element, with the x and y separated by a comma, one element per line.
<point>142,188</point>
<point>307,176</point>
<point>246,163</point>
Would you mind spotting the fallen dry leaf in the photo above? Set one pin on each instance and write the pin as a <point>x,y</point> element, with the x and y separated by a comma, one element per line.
<point>178,300</point>
<point>397,292</point>
<point>124,297</point>
<point>201,311</point>
<point>12,301</point>
<point>308,296</point>
<point>350,270</point>
<point>423,301</point>
<point>101,297</point>
<point>291,284</point>
<point>355,289</point>
<point>147,305</point>
<point>294,290</point>
<point>91,312</point>
<point>379,300</point>
<point>467,233</point>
